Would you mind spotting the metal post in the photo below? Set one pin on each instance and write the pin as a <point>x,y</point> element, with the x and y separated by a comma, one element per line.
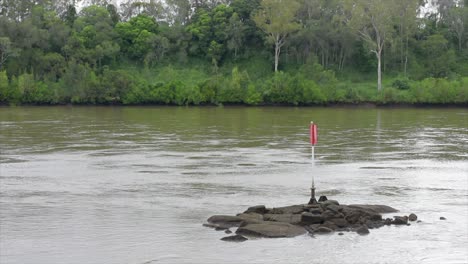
<point>312,189</point>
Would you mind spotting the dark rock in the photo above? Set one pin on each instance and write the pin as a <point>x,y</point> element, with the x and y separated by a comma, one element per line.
<point>271,229</point>
<point>235,238</point>
<point>215,219</point>
<point>286,218</point>
<point>323,230</point>
<point>251,217</point>
<point>330,225</point>
<point>315,210</point>
<point>259,209</point>
<point>363,230</point>
<point>383,209</point>
<point>322,198</point>
<point>334,208</point>
<point>210,225</point>
<point>374,224</point>
<point>340,234</point>
<point>309,218</point>
<point>329,215</point>
<point>353,216</point>
<point>442,218</point>
<point>388,221</point>
<point>227,231</point>
<point>419,221</point>
<point>220,226</point>
<point>329,202</point>
<point>339,222</point>
<point>412,217</point>
<point>294,209</point>
<point>400,220</point>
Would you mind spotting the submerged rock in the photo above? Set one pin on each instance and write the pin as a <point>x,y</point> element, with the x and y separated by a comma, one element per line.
<point>363,230</point>
<point>271,230</point>
<point>235,238</point>
<point>412,217</point>
<point>400,220</point>
<point>259,209</point>
<point>323,230</point>
<point>442,218</point>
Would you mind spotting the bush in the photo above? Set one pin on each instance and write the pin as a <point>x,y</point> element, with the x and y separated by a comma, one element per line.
<point>401,84</point>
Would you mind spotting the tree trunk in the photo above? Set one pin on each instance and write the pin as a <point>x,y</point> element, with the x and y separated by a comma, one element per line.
<point>406,55</point>
<point>277,52</point>
<point>379,71</point>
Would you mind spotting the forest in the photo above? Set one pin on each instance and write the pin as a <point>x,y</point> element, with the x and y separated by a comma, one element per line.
<point>247,52</point>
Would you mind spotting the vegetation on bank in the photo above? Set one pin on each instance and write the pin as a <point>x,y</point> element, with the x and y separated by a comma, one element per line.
<point>205,52</point>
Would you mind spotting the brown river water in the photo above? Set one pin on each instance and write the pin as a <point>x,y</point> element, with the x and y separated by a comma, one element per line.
<point>134,184</point>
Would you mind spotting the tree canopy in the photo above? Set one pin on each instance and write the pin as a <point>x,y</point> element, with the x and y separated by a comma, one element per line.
<point>296,52</point>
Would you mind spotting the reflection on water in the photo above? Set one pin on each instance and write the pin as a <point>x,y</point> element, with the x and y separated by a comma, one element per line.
<point>133,185</point>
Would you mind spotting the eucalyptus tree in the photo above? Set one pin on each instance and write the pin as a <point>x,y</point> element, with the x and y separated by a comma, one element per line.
<point>457,20</point>
<point>277,18</point>
<point>406,19</point>
<point>373,23</point>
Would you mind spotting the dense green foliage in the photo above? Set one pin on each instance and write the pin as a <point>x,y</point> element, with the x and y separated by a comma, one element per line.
<point>195,52</point>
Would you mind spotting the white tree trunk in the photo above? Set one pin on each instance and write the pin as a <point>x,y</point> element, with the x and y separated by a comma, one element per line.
<point>379,71</point>
<point>277,53</point>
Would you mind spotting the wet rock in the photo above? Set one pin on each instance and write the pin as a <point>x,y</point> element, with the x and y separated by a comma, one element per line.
<point>388,221</point>
<point>412,217</point>
<point>271,230</point>
<point>294,209</point>
<point>235,238</point>
<point>251,217</point>
<point>220,226</point>
<point>340,233</point>
<point>315,210</point>
<point>352,216</point>
<point>327,215</point>
<point>329,225</point>
<point>330,202</point>
<point>334,208</point>
<point>419,221</point>
<point>363,230</point>
<point>382,209</point>
<point>259,209</point>
<point>285,218</point>
<point>227,231</point>
<point>339,222</point>
<point>442,218</point>
<point>323,230</point>
<point>216,219</point>
<point>310,218</point>
<point>322,198</point>
<point>400,220</point>
<point>374,224</point>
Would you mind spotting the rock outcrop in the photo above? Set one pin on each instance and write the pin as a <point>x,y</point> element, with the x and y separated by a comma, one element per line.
<point>324,217</point>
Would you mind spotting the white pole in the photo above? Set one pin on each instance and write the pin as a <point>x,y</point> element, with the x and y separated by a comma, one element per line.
<point>312,189</point>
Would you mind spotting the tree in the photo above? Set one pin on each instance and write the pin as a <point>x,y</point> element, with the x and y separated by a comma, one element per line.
<point>236,29</point>
<point>373,22</point>
<point>407,19</point>
<point>457,19</point>
<point>6,50</point>
<point>277,19</point>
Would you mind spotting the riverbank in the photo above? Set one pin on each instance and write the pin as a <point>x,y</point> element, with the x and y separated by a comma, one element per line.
<point>169,86</point>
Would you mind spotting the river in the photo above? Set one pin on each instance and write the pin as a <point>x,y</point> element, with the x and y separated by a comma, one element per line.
<point>134,184</point>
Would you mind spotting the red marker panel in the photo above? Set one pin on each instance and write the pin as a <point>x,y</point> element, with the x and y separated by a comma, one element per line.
<point>313,134</point>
